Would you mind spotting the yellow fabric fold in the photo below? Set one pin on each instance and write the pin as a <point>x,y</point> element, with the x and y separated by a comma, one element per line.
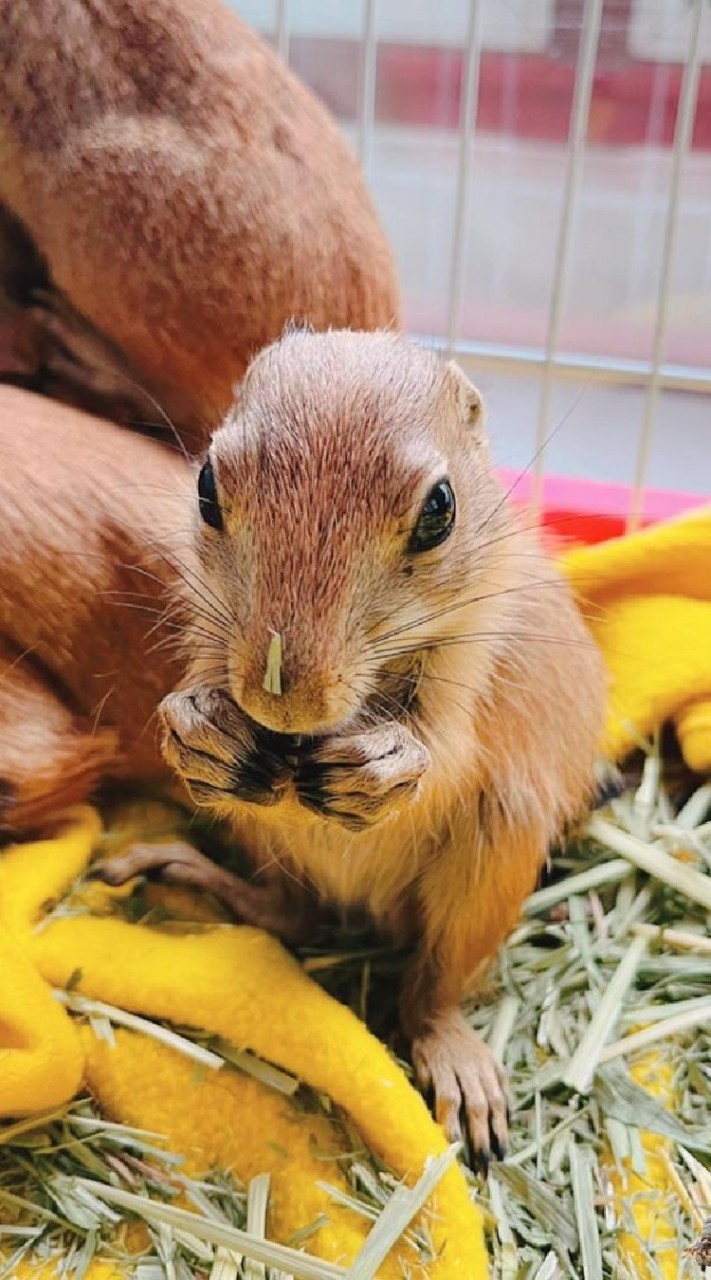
<point>41,1061</point>
<point>241,984</point>
<point>647,600</point>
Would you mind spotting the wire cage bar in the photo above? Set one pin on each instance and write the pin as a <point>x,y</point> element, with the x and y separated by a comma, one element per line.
<point>381,65</point>
<point>684,125</point>
<point>585,70</point>
<point>367,85</point>
<point>281,33</point>
<point>470,95</point>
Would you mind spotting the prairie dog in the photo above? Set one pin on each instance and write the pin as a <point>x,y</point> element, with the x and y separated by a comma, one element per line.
<point>423,670</point>
<point>93,526</point>
<point>390,694</point>
<point>170,196</point>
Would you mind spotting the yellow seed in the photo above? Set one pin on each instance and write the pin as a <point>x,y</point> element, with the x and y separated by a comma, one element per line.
<point>272,675</point>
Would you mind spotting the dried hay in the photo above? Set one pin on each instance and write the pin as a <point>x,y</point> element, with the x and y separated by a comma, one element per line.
<point>607,975</point>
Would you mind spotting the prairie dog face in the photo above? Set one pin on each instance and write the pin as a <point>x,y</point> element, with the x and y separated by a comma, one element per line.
<point>347,516</point>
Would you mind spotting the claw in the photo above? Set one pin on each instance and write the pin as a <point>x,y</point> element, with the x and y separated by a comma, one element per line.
<point>468,1086</point>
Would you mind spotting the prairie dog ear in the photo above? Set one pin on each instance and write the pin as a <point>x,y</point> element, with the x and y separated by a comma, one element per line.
<point>469,399</point>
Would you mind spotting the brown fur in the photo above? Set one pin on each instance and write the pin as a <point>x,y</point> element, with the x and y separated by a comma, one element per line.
<point>476,650</point>
<point>173,196</point>
<point>321,471</point>
<point>50,757</point>
<point>94,521</point>
<point>440,713</point>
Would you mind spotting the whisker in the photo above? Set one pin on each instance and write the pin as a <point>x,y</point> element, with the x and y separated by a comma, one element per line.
<point>534,459</point>
<point>132,382</point>
<point>192,625</point>
<point>416,681</point>
<point>200,590</point>
<point>179,638</point>
<point>435,615</point>
<point>200,606</point>
<point>132,604</point>
<point>189,575</point>
<point>481,636</point>
<point>178,635</point>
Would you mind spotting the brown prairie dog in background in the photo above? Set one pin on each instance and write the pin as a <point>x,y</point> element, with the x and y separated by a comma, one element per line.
<point>170,196</point>
<point>93,520</point>
<point>390,695</point>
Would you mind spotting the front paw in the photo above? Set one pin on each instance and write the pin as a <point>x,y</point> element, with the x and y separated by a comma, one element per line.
<point>359,780</point>
<point>218,752</point>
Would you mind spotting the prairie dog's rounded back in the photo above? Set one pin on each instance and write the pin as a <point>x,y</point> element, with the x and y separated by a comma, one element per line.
<point>92,519</point>
<point>187,193</point>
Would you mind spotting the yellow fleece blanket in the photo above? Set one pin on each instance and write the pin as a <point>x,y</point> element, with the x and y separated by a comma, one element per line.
<point>242,985</point>
<point>648,598</point>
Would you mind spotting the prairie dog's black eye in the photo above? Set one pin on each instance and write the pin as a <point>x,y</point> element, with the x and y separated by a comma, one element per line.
<point>207,497</point>
<point>436,519</point>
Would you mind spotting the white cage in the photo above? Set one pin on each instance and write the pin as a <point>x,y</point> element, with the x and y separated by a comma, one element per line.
<point>543,168</point>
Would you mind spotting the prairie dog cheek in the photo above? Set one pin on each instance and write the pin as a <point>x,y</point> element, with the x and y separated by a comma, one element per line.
<point>404,626</point>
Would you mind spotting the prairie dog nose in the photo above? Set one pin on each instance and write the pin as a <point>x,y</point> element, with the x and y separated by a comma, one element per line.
<point>286,689</point>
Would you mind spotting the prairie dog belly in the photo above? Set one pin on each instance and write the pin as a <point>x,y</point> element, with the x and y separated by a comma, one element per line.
<point>375,869</point>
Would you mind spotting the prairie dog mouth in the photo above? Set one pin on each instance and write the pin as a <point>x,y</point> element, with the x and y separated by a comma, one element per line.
<point>393,697</point>
<point>392,694</point>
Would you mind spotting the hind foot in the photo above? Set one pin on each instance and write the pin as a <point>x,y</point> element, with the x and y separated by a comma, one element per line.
<point>270,906</point>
